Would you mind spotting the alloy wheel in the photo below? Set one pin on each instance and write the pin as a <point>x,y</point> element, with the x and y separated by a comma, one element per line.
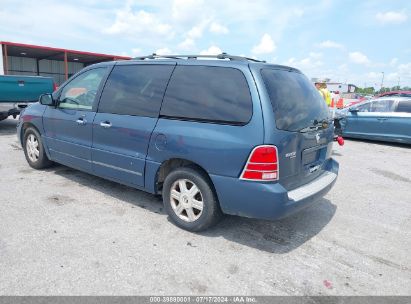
<point>186,200</point>
<point>32,148</point>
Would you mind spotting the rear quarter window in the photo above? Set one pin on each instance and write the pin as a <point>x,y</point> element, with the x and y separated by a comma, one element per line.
<point>210,94</point>
<point>404,106</point>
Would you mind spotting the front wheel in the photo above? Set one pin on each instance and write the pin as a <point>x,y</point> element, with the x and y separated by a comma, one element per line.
<point>34,150</point>
<point>189,199</point>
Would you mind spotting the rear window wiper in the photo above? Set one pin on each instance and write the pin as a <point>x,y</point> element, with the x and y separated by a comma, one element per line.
<point>309,128</point>
<point>317,124</point>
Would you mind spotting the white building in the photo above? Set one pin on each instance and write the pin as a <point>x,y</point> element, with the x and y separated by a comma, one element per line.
<point>336,87</point>
<point>340,88</point>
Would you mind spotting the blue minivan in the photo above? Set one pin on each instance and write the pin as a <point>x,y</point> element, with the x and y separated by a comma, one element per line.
<point>226,135</point>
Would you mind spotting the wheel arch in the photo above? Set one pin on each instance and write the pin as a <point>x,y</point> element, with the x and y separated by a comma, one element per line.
<point>24,127</point>
<point>173,163</point>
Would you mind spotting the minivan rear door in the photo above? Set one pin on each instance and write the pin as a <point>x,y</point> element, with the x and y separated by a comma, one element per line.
<point>127,114</point>
<point>301,126</point>
<point>399,122</point>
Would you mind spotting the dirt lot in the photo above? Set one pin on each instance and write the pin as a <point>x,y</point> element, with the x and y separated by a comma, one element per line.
<point>66,232</point>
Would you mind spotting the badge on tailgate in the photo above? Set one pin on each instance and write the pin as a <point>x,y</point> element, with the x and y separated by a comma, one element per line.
<point>291,155</point>
<point>314,168</point>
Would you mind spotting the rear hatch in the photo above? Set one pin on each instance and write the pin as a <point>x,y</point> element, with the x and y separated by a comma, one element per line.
<point>303,131</point>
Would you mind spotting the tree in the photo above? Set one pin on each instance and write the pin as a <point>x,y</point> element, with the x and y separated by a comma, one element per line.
<point>384,90</point>
<point>366,91</point>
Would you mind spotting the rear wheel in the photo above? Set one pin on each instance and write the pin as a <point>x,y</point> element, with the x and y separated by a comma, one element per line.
<point>34,150</point>
<point>189,199</point>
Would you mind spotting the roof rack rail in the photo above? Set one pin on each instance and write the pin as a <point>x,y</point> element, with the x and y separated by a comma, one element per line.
<point>219,56</point>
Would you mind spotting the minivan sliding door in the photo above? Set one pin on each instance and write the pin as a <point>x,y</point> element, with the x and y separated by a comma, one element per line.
<point>127,114</point>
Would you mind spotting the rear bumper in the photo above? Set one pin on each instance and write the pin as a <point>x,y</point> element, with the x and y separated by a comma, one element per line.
<point>271,200</point>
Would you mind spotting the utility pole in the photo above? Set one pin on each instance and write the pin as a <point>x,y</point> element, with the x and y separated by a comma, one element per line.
<point>399,82</point>
<point>382,81</point>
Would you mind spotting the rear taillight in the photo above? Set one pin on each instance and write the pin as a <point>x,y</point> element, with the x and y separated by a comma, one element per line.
<point>55,87</point>
<point>262,164</point>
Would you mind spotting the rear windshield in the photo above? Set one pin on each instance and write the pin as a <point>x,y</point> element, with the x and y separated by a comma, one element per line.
<point>296,102</point>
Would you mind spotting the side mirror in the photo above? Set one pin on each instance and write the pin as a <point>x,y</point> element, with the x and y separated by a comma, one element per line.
<point>354,110</point>
<point>47,99</point>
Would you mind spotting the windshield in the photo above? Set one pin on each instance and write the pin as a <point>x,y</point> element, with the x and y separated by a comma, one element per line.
<point>296,102</point>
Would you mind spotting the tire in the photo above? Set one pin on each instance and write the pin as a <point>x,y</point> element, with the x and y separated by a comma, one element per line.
<point>33,145</point>
<point>179,196</point>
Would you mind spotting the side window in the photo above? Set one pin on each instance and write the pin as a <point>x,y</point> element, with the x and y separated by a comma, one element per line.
<point>79,94</point>
<point>135,90</point>
<point>404,106</point>
<point>382,106</point>
<point>205,93</point>
<point>364,107</point>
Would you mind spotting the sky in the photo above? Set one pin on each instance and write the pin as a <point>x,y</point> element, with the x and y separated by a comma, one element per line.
<point>347,41</point>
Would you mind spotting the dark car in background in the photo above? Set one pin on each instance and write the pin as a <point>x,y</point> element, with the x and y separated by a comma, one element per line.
<point>384,119</point>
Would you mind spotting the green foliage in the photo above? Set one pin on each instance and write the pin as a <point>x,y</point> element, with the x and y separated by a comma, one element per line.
<point>372,91</point>
<point>365,91</point>
<point>384,90</point>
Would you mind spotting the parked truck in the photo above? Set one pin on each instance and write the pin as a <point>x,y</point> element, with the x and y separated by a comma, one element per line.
<point>17,91</point>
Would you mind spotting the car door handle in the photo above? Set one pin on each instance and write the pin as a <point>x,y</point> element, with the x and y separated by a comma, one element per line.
<point>105,124</point>
<point>81,121</point>
<point>382,118</point>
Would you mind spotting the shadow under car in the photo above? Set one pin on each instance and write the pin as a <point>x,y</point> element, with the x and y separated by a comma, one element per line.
<point>278,237</point>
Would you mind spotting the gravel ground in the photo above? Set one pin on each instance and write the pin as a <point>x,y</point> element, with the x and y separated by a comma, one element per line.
<point>64,232</point>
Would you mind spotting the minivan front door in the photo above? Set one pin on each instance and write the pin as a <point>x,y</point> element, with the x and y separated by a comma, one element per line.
<point>68,126</point>
<point>127,114</point>
<point>359,123</point>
